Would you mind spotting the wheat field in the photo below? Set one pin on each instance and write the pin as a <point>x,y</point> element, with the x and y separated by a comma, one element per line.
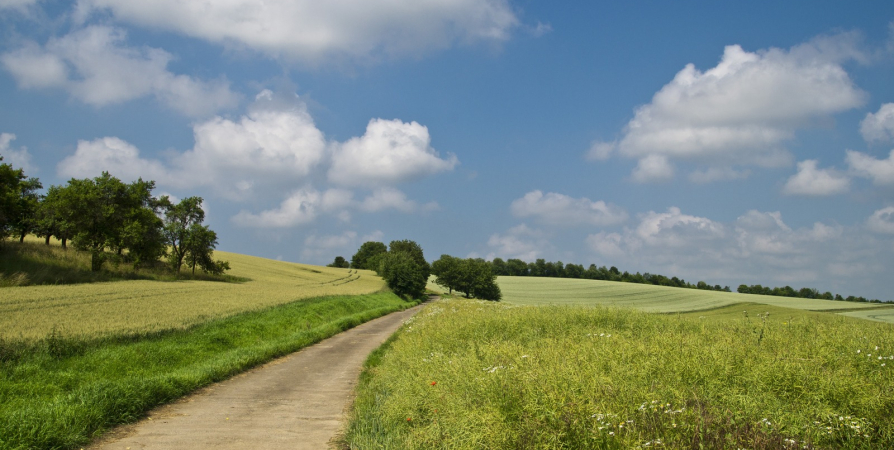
<point>663,299</point>
<point>126,307</point>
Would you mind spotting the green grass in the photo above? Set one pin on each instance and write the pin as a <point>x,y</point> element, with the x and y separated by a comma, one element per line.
<point>58,392</point>
<point>564,291</point>
<point>478,375</point>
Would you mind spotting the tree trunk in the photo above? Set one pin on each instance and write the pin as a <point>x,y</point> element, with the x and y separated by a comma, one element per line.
<point>22,238</point>
<point>64,247</point>
<point>47,240</point>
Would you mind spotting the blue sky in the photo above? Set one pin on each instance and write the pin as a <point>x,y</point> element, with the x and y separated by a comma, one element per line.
<point>730,142</point>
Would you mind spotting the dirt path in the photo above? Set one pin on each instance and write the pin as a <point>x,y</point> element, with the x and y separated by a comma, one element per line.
<point>295,402</point>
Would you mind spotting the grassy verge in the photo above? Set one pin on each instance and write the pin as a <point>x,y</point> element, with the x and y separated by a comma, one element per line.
<point>59,393</point>
<point>469,374</point>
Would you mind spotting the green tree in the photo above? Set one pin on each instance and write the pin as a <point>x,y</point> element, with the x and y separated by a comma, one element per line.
<point>446,268</point>
<point>366,254</point>
<point>97,211</point>
<point>415,251</point>
<point>52,217</point>
<point>178,224</point>
<point>10,180</point>
<point>403,274</point>
<point>27,204</point>
<point>200,244</point>
<point>339,262</point>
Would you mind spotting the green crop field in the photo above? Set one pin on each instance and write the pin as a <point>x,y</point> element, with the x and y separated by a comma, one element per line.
<point>467,374</point>
<point>121,307</point>
<point>563,291</point>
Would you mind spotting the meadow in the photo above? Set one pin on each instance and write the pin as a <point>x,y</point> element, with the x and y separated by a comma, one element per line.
<point>467,374</point>
<point>663,299</point>
<point>90,310</point>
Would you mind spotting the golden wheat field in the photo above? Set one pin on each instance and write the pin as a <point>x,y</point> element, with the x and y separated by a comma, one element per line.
<point>122,307</point>
<point>663,299</point>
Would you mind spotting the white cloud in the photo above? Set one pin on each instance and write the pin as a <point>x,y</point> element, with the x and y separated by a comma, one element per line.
<point>390,152</point>
<point>16,4</point>
<point>388,198</point>
<point>561,210</point>
<point>675,229</point>
<point>113,155</point>
<point>881,172</point>
<point>743,110</point>
<point>276,143</point>
<point>879,126</point>
<point>521,242</point>
<point>606,244</point>
<point>328,246</point>
<point>302,207</point>
<point>653,168</point>
<point>756,248</point>
<point>882,221</point>
<point>18,159</point>
<point>712,174</point>
<point>317,32</point>
<point>95,66</point>
<point>816,182</point>
<point>600,151</point>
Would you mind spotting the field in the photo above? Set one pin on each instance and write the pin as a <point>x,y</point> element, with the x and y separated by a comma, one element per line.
<point>468,374</point>
<point>139,306</point>
<point>563,291</point>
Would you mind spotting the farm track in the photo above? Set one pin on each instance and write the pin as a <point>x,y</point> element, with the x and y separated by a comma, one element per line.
<point>295,402</point>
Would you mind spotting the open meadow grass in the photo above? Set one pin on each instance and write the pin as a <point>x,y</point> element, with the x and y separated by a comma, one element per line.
<point>138,306</point>
<point>59,393</point>
<point>650,298</point>
<point>466,374</point>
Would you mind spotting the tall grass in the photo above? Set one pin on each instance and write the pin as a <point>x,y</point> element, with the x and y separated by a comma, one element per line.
<point>468,374</point>
<point>59,392</point>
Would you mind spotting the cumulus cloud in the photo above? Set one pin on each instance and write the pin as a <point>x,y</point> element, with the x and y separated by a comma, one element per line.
<point>316,32</point>
<point>521,242</point>
<point>880,125</point>
<point>113,155</point>
<point>653,168</point>
<point>713,174</point>
<point>758,247</point>
<point>18,159</point>
<point>882,221</point>
<point>16,4</point>
<point>816,182</point>
<point>880,171</point>
<point>391,151</point>
<point>390,198</point>
<point>302,207</point>
<point>562,210</point>
<point>96,66</point>
<point>742,111</point>
<point>326,246</point>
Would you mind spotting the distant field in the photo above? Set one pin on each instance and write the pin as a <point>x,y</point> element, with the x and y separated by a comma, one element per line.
<point>563,291</point>
<point>91,310</point>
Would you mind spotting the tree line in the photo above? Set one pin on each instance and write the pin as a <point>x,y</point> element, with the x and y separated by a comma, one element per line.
<point>543,268</point>
<point>788,291</point>
<point>105,217</point>
<point>403,267</point>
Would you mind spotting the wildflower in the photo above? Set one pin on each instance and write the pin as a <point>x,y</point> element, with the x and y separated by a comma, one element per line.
<point>434,383</point>
<point>409,419</point>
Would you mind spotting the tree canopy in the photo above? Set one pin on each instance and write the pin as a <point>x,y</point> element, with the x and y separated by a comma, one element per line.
<point>366,255</point>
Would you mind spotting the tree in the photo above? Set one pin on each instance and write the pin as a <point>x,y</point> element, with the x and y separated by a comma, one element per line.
<point>178,223</point>
<point>446,268</point>
<point>364,257</point>
<point>10,181</point>
<point>52,217</point>
<point>27,204</point>
<point>339,262</point>
<point>415,252</point>
<point>402,273</point>
<point>200,244</point>
<point>97,211</point>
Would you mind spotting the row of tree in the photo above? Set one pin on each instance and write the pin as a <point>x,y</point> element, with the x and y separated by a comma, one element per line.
<point>103,214</point>
<point>788,291</point>
<point>473,277</point>
<point>543,268</point>
<point>402,265</point>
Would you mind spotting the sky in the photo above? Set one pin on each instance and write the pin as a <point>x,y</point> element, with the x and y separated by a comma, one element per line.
<point>740,142</point>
